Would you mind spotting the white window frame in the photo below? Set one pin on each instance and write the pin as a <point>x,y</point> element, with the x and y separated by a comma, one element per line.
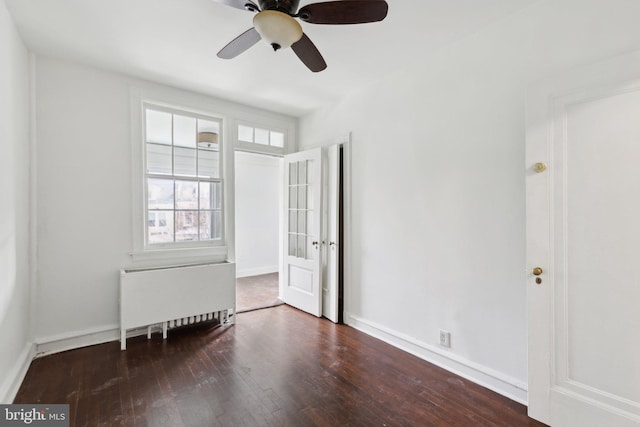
<point>144,255</point>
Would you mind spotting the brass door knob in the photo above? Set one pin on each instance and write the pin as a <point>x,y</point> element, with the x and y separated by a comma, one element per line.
<point>537,271</point>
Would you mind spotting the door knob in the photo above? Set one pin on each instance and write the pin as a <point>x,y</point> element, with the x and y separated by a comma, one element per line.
<point>537,271</point>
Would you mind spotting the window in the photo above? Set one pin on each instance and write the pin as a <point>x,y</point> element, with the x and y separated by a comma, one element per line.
<point>260,136</point>
<point>183,179</point>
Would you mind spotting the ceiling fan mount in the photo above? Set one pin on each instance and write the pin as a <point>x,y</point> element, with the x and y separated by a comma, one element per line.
<point>275,23</point>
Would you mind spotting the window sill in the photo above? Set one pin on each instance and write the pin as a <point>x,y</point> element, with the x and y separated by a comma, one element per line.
<point>178,256</point>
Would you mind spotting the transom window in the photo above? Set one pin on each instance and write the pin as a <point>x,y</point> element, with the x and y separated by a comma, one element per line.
<point>260,136</point>
<point>183,177</point>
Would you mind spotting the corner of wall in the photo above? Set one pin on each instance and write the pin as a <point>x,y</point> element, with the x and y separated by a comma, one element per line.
<point>15,376</point>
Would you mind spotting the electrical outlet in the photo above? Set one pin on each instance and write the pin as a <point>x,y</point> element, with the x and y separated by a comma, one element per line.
<point>445,339</point>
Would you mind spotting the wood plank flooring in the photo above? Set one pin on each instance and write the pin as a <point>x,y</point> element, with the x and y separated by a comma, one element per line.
<point>275,367</point>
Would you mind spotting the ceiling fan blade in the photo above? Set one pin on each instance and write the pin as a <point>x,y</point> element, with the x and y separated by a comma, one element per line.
<point>240,4</point>
<point>241,43</point>
<point>309,54</point>
<point>344,12</point>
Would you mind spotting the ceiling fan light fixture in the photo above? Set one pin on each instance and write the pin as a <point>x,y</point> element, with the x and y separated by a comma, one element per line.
<point>278,29</point>
<point>207,139</point>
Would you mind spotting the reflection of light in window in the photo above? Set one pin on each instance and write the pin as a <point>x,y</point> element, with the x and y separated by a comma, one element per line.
<point>183,176</point>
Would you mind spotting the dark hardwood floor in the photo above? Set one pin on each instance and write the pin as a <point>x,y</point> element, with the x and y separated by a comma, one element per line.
<point>275,367</point>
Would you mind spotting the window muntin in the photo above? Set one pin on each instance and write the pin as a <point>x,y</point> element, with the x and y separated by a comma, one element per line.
<point>183,178</point>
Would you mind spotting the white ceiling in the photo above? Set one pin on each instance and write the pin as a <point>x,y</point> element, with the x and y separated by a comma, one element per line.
<point>175,42</point>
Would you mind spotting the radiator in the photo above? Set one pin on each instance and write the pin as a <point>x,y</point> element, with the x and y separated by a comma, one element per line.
<point>175,296</point>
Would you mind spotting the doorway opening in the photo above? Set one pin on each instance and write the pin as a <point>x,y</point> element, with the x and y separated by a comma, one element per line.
<point>258,179</point>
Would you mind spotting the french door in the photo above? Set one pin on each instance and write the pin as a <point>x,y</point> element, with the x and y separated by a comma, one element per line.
<point>302,268</point>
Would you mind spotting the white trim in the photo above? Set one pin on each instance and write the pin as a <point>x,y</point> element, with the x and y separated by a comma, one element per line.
<point>15,376</point>
<point>181,255</point>
<point>33,199</point>
<point>78,339</point>
<point>347,235</point>
<point>247,272</point>
<point>503,384</point>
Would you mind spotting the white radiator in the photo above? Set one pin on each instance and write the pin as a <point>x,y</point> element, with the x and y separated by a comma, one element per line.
<point>175,296</point>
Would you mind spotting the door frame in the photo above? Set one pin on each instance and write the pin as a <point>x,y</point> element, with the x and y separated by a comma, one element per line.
<point>541,99</point>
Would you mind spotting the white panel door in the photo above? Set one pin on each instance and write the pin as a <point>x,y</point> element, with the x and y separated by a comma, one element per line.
<point>302,271</point>
<point>583,232</point>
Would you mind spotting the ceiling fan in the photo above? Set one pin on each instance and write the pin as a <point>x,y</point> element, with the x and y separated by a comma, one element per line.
<point>274,23</point>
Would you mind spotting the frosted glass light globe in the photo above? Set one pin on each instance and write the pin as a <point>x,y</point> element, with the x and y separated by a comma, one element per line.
<point>278,29</point>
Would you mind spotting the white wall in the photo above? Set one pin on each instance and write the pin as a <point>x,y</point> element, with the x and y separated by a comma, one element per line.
<point>84,189</point>
<point>14,208</point>
<point>438,196</point>
<point>258,181</point>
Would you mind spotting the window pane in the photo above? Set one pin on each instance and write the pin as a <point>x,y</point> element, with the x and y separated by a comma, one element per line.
<point>216,225</point>
<point>302,172</point>
<point>208,164</point>
<point>293,239</point>
<point>293,221</point>
<point>301,251</point>
<point>208,141</point>
<point>186,226</point>
<point>208,126</point>
<point>262,136</point>
<point>159,193</point>
<point>206,229</point>
<point>160,227</point>
<point>184,131</point>
<point>302,222</point>
<point>302,197</point>
<point>217,195</point>
<point>158,127</point>
<point>309,215</point>
<point>206,195</point>
<point>210,195</point>
<point>293,197</point>
<point>186,195</point>
<point>184,161</point>
<point>159,159</point>
<point>245,133</point>
<point>293,173</point>
<point>277,139</point>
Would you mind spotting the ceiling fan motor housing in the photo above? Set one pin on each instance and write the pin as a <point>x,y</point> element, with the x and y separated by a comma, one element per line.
<point>287,6</point>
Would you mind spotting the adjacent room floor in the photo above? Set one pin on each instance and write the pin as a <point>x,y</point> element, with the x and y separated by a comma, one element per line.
<point>257,292</point>
<point>274,367</point>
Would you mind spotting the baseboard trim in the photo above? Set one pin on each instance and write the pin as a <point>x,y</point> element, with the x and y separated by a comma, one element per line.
<point>78,339</point>
<point>247,272</point>
<point>503,384</point>
<point>15,377</point>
